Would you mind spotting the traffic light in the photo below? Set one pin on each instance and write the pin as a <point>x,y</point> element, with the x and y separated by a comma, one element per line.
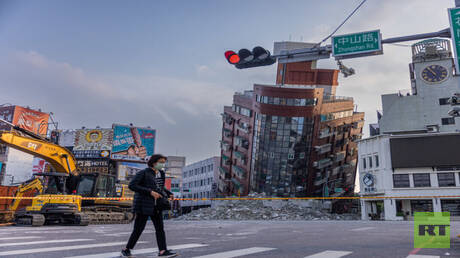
<point>259,56</point>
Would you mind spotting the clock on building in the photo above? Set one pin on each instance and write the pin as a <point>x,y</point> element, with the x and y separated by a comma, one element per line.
<point>434,74</point>
<point>368,179</point>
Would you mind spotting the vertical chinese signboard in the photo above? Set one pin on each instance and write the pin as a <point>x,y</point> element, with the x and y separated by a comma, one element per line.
<point>6,113</point>
<point>132,143</point>
<point>454,19</point>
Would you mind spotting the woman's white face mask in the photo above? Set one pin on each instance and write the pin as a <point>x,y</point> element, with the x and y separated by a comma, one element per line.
<point>159,165</point>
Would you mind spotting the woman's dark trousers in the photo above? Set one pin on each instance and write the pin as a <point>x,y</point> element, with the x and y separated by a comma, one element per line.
<point>139,225</point>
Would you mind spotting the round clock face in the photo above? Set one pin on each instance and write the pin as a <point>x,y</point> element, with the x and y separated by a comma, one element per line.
<point>434,74</point>
<point>368,179</point>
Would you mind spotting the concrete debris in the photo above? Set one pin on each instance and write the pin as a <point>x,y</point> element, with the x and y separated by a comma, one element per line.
<point>267,210</point>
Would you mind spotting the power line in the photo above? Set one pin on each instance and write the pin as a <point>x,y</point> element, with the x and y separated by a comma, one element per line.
<point>346,19</point>
<point>400,45</point>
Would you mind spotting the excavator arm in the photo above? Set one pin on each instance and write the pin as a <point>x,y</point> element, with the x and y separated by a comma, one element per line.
<point>59,157</point>
<point>34,184</point>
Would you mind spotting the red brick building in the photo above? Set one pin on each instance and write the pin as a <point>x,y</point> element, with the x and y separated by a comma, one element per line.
<point>295,138</point>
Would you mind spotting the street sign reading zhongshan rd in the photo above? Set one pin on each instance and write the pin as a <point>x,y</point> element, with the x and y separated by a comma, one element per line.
<point>454,19</point>
<point>369,42</point>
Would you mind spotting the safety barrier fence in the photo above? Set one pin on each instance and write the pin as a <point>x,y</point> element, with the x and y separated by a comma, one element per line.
<point>235,198</point>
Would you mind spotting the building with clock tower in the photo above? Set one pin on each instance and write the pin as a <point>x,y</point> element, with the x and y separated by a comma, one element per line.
<point>425,107</point>
<point>413,150</point>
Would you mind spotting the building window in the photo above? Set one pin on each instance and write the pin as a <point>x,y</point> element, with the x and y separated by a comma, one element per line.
<point>448,121</point>
<point>422,180</point>
<point>446,179</point>
<point>370,162</point>
<point>377,161</point>
<point>444,101</point>
<point>452,206</point>
<point>421,206</point>
<point>401,180</point>
<point>364,163</point>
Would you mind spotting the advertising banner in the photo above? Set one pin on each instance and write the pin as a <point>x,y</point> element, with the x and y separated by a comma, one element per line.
<point>39,165</point>
<point>91,154</point>
<point>93,139</point>
<point>132,143</point>
<point>31,120</point>
<point>6,113</point>
<point>127,170</point>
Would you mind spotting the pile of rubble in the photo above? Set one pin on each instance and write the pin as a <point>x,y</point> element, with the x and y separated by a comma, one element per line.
<point>267,210</point>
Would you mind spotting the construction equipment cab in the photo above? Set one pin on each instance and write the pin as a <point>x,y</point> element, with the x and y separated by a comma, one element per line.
<point>54,203</point>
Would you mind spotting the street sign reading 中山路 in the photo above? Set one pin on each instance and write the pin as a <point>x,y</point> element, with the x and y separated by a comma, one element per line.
<point>454,19</point>
<point>357,44</point>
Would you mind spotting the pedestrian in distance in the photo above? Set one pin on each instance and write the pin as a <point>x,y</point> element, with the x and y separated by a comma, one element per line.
<point>149,186</point>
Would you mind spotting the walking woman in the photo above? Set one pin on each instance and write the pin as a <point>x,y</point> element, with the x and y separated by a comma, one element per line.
<point>148,185</point>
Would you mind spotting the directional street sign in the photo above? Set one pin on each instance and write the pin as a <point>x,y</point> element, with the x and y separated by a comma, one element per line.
<point>357,44</point>
<point>454,19</point>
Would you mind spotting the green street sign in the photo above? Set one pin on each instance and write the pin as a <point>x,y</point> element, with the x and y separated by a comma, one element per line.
<point>357,44</point>
<point>454,19</point>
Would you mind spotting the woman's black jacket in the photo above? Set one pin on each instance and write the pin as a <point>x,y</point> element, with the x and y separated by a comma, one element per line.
<point>143,184</point>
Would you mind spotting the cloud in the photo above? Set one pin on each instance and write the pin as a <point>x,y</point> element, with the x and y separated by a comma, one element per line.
<point>185,112</point>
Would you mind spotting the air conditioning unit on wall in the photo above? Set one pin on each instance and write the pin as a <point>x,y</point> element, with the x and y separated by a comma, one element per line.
<point>432,128</point>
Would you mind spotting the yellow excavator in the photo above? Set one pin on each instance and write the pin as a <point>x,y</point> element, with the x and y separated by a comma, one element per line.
<point>58,203</point>
<point>53,204</point>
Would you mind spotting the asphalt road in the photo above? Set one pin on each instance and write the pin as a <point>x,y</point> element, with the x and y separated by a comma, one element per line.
<point>225,239</point>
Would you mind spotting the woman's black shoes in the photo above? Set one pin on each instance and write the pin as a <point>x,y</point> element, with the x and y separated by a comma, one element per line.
<point>126,253</point>
<point>168,253</point>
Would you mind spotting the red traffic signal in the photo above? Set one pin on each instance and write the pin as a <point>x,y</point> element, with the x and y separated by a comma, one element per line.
<point>232,57</point>
<point>259,56</point>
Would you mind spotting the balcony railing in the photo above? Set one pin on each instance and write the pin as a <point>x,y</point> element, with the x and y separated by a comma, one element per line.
<point>325,133</point>
<point>225,146</point>
<point>224,172</point>
<point>322,163</point>
<point>239,171</point>
<point>332,98</point>
<point>323,148</point>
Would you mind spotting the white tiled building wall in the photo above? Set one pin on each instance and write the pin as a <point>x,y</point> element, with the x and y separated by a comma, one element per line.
<point>200,179</point>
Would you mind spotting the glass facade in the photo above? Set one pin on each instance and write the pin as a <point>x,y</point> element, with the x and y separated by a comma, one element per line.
<point>286,101</point>
<point>281,147</point>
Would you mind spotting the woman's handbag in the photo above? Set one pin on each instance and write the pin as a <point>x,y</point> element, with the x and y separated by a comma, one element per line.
<point>163,204</point>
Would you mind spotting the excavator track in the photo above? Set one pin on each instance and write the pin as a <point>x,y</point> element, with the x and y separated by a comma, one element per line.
<point>108,215</point>
<point>81,219</point>
<point>34,220</point>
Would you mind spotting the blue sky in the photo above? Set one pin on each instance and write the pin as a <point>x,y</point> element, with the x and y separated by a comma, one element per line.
<point>161,64</point>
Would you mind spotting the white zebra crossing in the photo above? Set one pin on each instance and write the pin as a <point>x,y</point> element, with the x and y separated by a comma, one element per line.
<point>329,254</point>
<point>138,251</point>
<point>91,253</point>
<point>61,248</point>
<point>45,242</point>
<point>236,253</point>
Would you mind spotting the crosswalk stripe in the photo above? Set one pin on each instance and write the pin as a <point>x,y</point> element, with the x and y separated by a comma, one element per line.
<point>329,254</point>
<point>46,242</point>
<point>236,253</point>
<point>139,251</point>
<point>14,238</point>
<point>362,229</point>
<point>422,256</point>
<point>60,248</point>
